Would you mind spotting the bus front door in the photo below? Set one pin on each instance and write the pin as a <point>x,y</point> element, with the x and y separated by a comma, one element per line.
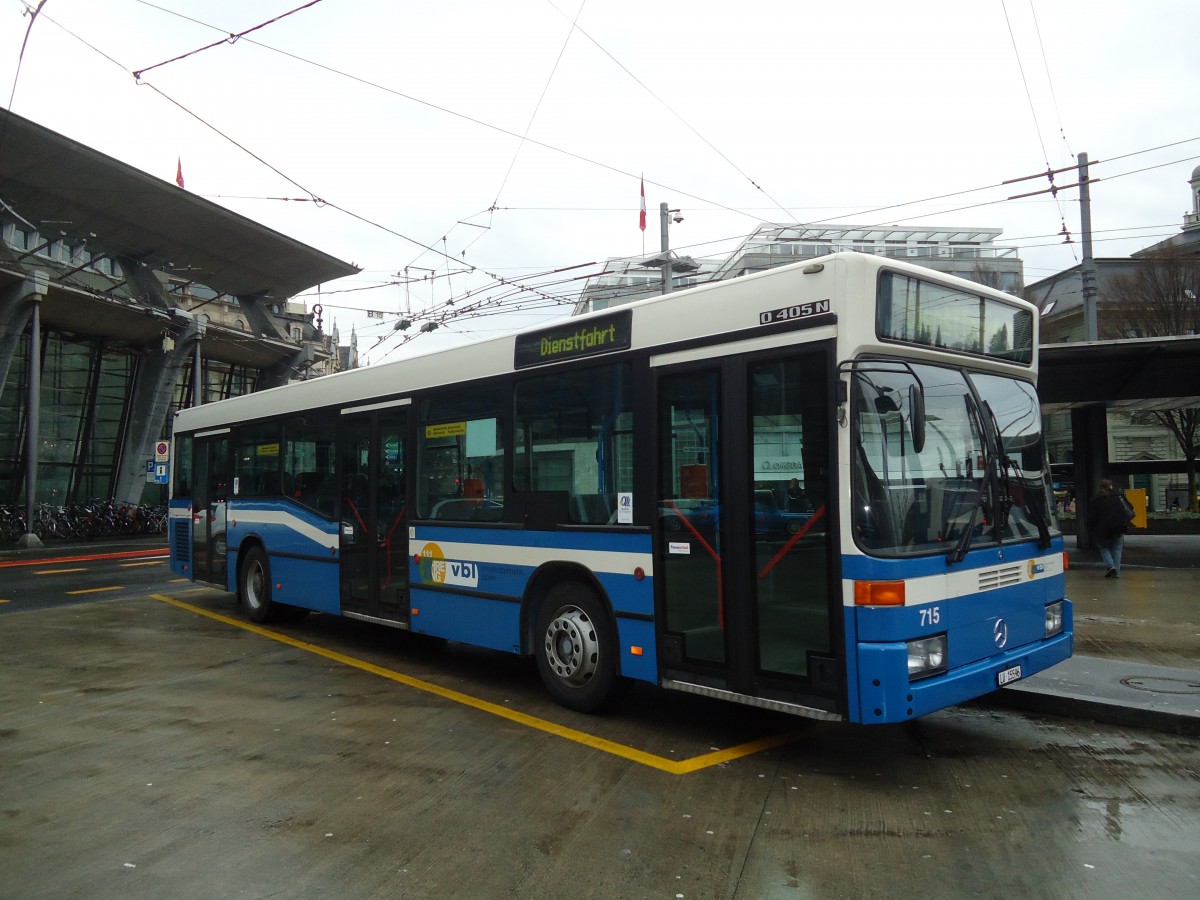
<point>744,565</point>
<point>212,469</point>
<point>373,530</point>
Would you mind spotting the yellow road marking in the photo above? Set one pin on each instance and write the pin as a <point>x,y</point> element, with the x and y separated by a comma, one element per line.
<point>5,601</point>
<point>115,587</point>
<point>58,571</point>
<point>671,766</point>
<point>153,562</point>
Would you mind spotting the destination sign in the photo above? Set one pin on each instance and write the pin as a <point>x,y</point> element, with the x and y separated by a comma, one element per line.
<point>574,341</point>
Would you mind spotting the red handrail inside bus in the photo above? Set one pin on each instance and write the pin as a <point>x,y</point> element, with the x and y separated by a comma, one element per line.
<point>801,532</point>
<point>711,552</point>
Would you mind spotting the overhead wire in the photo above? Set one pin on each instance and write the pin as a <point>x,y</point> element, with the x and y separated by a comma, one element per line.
<point>233,38</point>
<point>1049,79</point>
<point>537,106</point>
<point>614,169</point>
<point>516,153</point>
<point>312,195</point>
<point>528,125</point>
<point>32,12</point>
<point>925,200</point>
<point>1033,111</point>
<point>673,112</point>
<point>514,287</point>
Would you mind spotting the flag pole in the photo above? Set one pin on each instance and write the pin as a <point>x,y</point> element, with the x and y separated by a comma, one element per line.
<point>642,214</point>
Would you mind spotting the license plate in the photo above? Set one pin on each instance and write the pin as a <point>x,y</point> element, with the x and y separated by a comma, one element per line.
<point>1008,676</point>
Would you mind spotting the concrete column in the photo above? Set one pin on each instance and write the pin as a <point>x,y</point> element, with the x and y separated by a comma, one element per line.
<point>1089,440</point>
<point>33,405</point>
<point>16,308</point>
<point>153,388</point>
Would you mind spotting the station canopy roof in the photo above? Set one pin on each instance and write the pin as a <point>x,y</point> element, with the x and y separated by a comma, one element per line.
<point>54,182</point>
<point>1137,373</point>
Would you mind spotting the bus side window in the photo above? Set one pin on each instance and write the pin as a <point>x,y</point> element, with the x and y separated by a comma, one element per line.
<point>308,462</point>
<point>461,453</point>
<point>256,460</point>
<point>574,434</point>
<point>183,467</point>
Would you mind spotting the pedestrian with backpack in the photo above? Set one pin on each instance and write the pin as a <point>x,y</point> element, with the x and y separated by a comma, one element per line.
<point>1109,514</point>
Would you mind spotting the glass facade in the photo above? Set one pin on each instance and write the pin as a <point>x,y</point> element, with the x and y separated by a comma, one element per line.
<point>219,381</point>
<point>85,408</point>
<point>12,424</point>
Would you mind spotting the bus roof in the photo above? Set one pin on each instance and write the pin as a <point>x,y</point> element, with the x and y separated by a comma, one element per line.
<point>715,308</point>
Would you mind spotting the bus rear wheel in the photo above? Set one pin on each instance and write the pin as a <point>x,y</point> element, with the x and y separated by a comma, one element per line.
<point>576,648</point>
<point>254,585</point>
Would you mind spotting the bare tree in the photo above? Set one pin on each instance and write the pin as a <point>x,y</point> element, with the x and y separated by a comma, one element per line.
<point>987,276</point>
<point>1158,297</point>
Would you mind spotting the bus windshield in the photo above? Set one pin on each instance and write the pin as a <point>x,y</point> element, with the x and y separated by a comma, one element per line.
<point>968,472</point>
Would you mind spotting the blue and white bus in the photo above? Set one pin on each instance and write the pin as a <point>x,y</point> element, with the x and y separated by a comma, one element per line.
<point>821,489</point>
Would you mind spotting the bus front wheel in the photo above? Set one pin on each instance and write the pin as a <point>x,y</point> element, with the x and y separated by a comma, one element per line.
<point>576,648</point>
<point>254,585</point>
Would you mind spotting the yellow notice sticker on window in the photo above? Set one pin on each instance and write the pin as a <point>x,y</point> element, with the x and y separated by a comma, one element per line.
<point>446,429</point>
<point>268,449</point>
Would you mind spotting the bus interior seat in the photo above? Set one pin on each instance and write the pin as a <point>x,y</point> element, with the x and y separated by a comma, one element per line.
<point>306,487</point>
<point>468,510</point>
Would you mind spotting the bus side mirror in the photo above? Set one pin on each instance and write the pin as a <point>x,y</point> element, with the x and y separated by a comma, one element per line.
<point>916,416</point>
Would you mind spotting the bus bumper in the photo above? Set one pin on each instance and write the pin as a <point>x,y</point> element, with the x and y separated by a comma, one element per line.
<point>886,695</point>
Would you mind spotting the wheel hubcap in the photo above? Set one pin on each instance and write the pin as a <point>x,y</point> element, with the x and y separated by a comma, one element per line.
<point>254,586</point>
<point>572,649</point>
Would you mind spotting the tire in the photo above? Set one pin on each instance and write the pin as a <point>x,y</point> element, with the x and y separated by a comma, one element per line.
<point>576,648</point>
<point>254,586</point>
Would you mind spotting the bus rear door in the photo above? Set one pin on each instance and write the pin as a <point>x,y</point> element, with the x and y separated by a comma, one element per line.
<point>212,467</point>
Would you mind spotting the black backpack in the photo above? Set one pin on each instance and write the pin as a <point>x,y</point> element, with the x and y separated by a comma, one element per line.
<point>1127,513</point>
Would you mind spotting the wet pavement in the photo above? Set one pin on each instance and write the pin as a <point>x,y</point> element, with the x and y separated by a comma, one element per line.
<point>1137,640</point>
<point>159,745</point>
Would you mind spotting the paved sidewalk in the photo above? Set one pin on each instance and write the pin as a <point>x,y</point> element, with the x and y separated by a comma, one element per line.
<point>1137,640</point>
<point>1114,691</point>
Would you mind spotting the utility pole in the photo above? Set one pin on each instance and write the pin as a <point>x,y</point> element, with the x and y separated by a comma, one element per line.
<point>1087,268</point>
<point>668,263</point>
<point>663,221</point>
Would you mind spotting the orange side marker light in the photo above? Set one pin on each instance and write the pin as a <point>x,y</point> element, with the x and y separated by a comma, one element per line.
<point>879,593</point>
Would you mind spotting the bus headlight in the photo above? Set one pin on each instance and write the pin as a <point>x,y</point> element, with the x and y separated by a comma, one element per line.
<point>926,657</point>
<point>1054,618</point>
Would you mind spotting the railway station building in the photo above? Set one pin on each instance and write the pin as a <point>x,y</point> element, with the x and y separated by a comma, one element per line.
<point>122,298</point>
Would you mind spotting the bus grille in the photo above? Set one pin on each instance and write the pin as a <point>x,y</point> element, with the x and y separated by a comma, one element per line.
<point>181,544</point>
<point>1004,576</point>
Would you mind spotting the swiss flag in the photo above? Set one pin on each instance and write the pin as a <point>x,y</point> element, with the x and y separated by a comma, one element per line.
<point>642,214</point>
<point>179,181</point>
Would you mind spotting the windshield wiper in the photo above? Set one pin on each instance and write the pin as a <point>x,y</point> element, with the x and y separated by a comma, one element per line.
<point>964,540</point>
<point>959,552</point>
<point>1003,500</point>
<point>1031,508</point>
